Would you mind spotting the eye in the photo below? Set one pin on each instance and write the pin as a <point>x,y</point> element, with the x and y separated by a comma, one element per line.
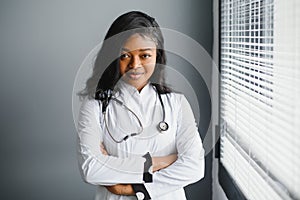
<point>124,56</point>
<point>146,56</point>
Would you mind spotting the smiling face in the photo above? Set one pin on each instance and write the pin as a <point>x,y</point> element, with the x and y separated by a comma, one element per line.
<point>137,60</point>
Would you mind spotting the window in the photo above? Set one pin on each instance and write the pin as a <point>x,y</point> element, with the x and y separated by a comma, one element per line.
<point>260,98</point>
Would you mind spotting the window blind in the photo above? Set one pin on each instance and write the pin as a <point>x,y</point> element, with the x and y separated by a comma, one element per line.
<point>260,96</point>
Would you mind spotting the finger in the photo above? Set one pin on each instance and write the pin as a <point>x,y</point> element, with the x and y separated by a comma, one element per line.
<point>104,152</point>
<point>102,149</point>
<point>101,145</point>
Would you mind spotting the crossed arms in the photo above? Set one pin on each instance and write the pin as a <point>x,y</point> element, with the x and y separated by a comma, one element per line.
<point>119,175</point>
<point>157,164</point>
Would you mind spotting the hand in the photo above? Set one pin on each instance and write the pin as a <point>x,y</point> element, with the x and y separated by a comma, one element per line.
<point>121,189</point>
<point>159,163</point>
<point>102,149</point>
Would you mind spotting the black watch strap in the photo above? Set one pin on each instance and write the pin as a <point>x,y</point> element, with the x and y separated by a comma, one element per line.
<point>141,192</point>
<point>147,175</point>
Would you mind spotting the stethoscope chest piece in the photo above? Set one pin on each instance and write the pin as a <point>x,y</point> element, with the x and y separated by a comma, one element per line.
<point>163,126</point>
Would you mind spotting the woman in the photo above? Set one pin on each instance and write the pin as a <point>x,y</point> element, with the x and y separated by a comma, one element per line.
<point>136,138</point>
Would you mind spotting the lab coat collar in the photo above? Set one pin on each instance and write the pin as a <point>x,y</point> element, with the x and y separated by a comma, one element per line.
<point>125,88</point>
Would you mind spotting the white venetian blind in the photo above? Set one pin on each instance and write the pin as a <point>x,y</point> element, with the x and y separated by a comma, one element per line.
<point>260,96</point>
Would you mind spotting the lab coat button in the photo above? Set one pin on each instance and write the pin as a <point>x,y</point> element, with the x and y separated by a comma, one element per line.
<point>140,195</point>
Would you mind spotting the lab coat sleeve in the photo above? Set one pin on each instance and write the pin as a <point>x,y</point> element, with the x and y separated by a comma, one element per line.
<point>96,168</point>
<point>189,167</point>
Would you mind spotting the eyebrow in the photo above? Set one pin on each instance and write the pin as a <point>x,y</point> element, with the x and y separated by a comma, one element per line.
<point>147,49</point>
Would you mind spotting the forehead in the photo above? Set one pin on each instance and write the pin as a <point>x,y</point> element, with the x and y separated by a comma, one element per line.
<point>136,42</point>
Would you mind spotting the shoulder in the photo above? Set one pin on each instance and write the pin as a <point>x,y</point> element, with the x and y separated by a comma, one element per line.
<point>89,104</point>
<point>175,99</point>
<point>175,96</point>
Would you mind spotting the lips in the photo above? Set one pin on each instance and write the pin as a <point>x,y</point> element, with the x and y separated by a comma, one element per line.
<point>134,75</point>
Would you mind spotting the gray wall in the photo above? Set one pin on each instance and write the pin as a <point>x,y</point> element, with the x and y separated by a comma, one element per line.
<point>42,44</point>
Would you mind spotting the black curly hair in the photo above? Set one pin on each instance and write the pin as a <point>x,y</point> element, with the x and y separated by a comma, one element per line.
<point>134,22</point>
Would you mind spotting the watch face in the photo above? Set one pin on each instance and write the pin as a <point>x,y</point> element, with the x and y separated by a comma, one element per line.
<point>163,126</point>
<point>140,195</point>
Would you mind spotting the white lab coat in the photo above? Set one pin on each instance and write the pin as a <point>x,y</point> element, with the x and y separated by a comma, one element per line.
<point>125,163</point>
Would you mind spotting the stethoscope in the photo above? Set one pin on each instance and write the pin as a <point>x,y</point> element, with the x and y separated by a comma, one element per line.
<point>108,95</point>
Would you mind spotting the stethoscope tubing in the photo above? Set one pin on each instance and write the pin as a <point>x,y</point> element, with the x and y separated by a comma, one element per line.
<point>162,126</point>
<point>127,136</point>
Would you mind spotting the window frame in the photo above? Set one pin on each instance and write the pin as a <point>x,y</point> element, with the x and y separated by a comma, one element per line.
<point>226,181</point>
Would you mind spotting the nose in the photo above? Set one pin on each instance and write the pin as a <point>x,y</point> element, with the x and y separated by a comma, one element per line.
<point>135,62</point>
